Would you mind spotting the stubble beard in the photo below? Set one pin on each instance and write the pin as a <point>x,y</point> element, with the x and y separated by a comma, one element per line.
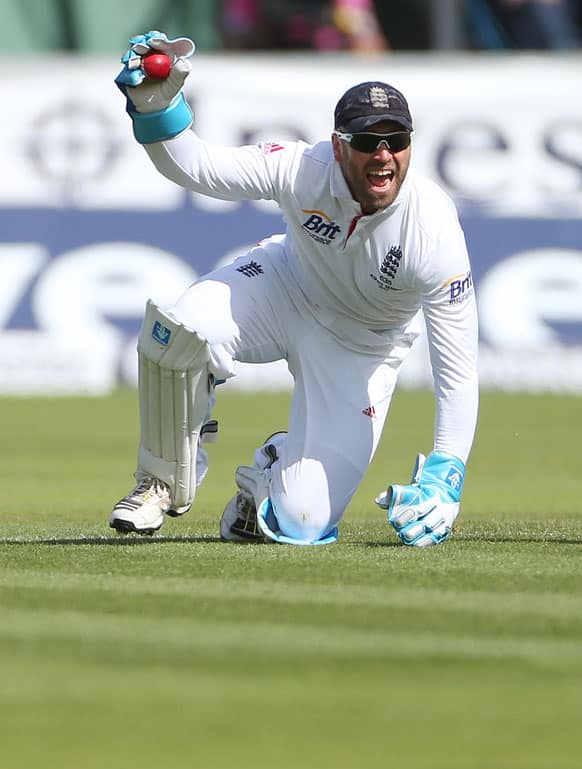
<point>373,201</point>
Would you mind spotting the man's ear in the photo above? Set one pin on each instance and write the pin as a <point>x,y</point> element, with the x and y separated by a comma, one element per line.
<point>337,150</point>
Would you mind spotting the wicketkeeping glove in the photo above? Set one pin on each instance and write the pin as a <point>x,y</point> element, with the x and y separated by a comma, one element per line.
<point>423,512</point>
<point>157,107</point>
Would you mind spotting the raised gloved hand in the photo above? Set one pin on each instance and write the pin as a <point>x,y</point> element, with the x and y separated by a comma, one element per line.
<point>157,107</point>
<point>423,512</point>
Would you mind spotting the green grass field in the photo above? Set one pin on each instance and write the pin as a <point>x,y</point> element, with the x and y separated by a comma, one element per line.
<point>182,652</point>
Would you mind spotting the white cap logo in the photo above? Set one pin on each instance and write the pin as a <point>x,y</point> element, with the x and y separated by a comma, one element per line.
<point>379,98</point>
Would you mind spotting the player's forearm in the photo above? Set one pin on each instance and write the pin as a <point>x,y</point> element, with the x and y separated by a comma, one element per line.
<point>456,419</point>
<point>453,344</point>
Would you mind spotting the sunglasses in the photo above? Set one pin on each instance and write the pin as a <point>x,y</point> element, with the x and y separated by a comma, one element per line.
<point>370,142</point>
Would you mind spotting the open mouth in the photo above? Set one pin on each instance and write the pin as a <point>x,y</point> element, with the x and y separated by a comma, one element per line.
<point>380,178</point>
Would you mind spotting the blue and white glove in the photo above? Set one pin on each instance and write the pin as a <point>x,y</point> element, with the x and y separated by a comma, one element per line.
<point>423,512</point>
<point>157,107</point>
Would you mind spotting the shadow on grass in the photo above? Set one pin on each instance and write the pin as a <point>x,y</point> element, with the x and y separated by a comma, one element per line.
<point>550,539</point>
<point>132,540</point>
<point>120,541</point>
<point>381,544</point>
<point>494,539</point>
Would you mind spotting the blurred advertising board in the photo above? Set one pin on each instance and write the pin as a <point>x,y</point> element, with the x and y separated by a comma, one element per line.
<point>89,230</point>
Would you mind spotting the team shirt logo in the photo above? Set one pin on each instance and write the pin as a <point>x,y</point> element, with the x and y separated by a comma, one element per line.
<point>250,269</point>
<point>388,269</point>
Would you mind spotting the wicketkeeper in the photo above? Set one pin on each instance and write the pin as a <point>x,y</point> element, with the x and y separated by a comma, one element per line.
<point>368,248</point>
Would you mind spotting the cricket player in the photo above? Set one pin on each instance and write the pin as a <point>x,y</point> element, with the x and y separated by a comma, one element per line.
<point>368,247</point>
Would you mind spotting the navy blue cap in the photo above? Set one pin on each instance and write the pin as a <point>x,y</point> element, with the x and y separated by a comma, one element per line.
<point>365,104</point>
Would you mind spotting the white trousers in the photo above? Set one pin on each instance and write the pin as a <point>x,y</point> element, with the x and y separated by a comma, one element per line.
<point>249,312</point>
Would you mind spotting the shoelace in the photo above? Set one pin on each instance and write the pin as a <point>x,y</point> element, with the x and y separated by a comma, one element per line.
<point>135,498</point>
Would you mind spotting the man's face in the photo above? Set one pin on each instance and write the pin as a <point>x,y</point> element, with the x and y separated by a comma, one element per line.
<point>374,178</point>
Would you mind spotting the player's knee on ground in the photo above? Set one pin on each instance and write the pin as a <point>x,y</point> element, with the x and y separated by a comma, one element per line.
<point>302,502</point>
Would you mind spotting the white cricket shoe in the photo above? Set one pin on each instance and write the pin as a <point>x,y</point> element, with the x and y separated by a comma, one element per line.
<point>142,510</point>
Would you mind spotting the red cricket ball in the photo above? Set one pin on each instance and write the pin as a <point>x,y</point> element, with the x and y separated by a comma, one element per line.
<point>157,65</point>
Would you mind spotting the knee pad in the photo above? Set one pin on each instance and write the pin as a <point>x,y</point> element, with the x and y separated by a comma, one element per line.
<point>300,500</point>
<point>256,482</point>
<point>269,525</point>
<point>272,505</point>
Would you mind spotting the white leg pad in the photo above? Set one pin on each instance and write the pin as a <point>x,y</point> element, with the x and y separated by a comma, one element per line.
<point>174,402</point>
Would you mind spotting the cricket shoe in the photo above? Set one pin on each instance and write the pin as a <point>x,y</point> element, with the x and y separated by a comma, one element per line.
<point>239,521</point>
<point>142,510</point>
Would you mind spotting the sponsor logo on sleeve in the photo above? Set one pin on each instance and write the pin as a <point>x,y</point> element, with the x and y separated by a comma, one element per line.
<point>460,288</point>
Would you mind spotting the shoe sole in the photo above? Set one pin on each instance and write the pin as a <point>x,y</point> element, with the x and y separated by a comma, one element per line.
<point>128,527</point>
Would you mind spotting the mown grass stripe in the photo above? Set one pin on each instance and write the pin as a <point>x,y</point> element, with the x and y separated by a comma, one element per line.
<point>476,601</point>
<point>298,640</point>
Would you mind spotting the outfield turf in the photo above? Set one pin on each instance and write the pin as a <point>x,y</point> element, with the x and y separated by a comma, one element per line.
<point>182,652</point>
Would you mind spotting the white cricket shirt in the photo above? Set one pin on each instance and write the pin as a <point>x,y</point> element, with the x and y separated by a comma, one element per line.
<point>365,277</point>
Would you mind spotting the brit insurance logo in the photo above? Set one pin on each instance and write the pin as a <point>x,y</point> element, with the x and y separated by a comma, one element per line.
<point>320,227</point>
<point>460,288</point>
<point>388,269</point>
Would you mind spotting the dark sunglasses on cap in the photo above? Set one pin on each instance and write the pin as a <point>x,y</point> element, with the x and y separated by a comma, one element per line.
<point>370,142</point>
